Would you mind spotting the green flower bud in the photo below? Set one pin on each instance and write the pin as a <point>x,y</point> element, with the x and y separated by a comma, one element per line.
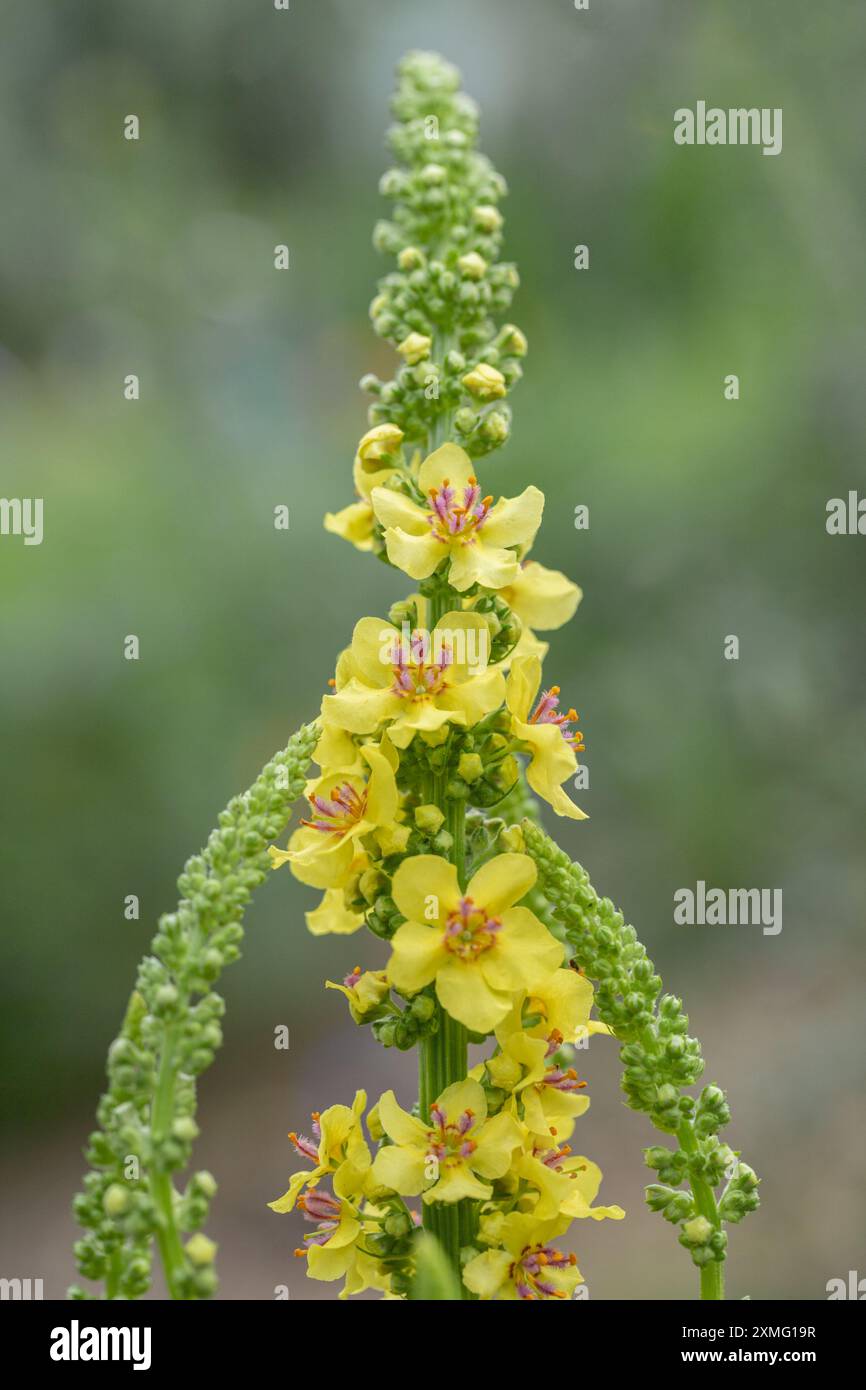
<point>116,1200</point>
<point>697,1231</point>
<point>411,258</point>
<point>200,1250</point>
<point>205,1183</point>
<point>433,174</point>
<point>472,265</point>
<point>487,217</point>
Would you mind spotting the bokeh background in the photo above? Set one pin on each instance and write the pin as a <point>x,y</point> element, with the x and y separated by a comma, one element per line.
<point>707,519</point>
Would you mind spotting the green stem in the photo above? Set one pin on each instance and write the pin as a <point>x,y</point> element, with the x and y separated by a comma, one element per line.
<point>112,1278</point>
<point>713,1274</point>
<point>161,1186</point>
<point>443,1056</point>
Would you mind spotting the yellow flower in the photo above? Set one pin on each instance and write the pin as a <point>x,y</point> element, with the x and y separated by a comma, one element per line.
<point>477,946</point>
<point>545,1098</point>
<point>528,1266</point>
<point>344,808</point>
<point>415,682</point>
<point>485,381</point>
<point>364,992</point>
<point>338,1149</point>
<point>377,458</point>
<point>450,1157</point>
<point>546,733</point>
<point>540,597</point>
<point>566,1183</point>
<point>457,524</point>
<point>380,444</point>
<point>332,1249</point>
<point>560,1002</point>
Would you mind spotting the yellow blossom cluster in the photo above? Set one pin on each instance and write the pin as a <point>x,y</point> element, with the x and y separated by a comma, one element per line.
<point>433,715</point>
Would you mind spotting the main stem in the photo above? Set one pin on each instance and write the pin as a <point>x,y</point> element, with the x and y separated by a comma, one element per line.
<point>443,1055</point>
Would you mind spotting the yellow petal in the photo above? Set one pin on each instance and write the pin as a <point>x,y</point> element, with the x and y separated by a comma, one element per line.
<point>466,637</point>
<point>541,597</point>
<point>373,641</point>
<point>465,994</point>
<point>501,882</point>
<point>424,718</point>
<point>522,686</point>
<point>354,523</point>
<point>552,762</point>
<point>332,916</point>
<point>449,462</point>
<point>425,888</point>
<point>476,697</point>
<point>398,1124</point>
<point>417,556</point>
<point>416,954</point>
<point>322,865</point>
<point>382,796</point>
<point>488,1273</point>
<point>527,939</point>
<point>327,1262</point>
<point>461,1096</point>
<point>495,1145</point>
<point>481,563</point>
<point>358,708</point>
<point>335,749</point>
<point>401,1169</point>
<point>396,509</point>
<point>457,1182</point>
<point>515,520</point>
<point>287,1202</point>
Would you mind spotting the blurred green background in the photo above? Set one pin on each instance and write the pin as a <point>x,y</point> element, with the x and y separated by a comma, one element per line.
<point>707,519</point>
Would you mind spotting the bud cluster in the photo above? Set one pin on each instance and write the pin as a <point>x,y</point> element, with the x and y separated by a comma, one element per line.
<point>169,1035</point>
<point>440,304</point>
<point>660,1059</point>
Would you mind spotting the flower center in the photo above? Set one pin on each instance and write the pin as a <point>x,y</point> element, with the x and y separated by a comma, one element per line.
<point>421,669</point>
<point>450,1143</point>
<point>531,1273</point>
<point>547,712</point>
<point>339,813</point>
<point>455,516</point>
<point>469,931</point>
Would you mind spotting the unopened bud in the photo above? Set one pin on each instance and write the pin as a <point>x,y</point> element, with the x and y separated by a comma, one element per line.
<point>485,381</point>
